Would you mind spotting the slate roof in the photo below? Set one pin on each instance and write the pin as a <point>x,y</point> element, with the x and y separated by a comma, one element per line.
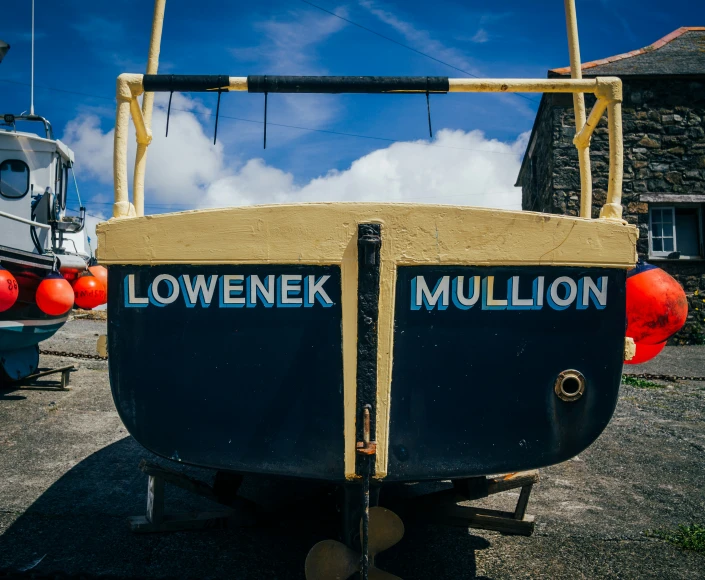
<point>680,53</point>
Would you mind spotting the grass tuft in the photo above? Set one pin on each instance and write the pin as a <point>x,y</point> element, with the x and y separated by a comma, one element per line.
<point>690,537</point>
<point>640,383</point>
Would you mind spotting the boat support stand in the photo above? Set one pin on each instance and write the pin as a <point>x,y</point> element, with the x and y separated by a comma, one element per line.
<point>446,507</point>
<point>62,386</point>
<point>224,492</point>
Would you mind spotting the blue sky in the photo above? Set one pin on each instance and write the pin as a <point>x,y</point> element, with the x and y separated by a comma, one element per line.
<point>82,46</point>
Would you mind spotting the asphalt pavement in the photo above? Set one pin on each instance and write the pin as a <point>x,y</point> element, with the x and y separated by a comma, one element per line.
<point>69,479</point>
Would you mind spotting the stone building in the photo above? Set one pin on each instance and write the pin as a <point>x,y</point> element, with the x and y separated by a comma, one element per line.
<point>664,158</point>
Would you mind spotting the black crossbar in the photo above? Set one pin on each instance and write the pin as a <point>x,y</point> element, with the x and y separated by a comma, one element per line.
<point>289,84</point>
<point>185,83</point>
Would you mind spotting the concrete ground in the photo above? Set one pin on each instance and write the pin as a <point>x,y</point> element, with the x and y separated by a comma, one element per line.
<point>69,479</point>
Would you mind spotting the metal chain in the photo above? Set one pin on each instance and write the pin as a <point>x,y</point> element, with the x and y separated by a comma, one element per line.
<point>73,354</point>
<point>667,378</point>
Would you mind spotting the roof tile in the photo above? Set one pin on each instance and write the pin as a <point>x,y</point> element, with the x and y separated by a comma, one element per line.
<point>684,54</point>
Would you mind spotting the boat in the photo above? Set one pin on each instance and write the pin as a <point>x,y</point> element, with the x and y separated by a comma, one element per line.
<point>366,344</point>
<point>37,238</point>
<point>41,247</point>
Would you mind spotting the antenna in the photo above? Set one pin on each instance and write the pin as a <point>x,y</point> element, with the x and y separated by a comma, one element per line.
<point>31,90</point>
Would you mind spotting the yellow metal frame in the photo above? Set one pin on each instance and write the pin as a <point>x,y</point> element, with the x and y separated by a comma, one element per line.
<point>412,234</point>
<point>608,91</point>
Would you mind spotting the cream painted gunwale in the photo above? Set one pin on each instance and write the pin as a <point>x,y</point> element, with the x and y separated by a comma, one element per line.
<point>326,234</point>
<point>316,233</point>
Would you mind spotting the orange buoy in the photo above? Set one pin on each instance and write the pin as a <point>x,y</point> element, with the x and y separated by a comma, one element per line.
<point>89,291</point>
<point>69,274</point>
<point>9,289</point>
<point>645,352</point>
<point>656,305</point>
<point>100,272</point>
<point>54,295</point>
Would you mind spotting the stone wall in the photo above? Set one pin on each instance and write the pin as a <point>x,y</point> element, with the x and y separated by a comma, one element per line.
<point>664,152</point>
<point>537,192</point>
<point>692,278</point>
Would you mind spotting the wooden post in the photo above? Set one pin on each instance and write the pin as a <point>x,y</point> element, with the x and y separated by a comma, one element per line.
<point>155,499</point>
<point>523,501</point>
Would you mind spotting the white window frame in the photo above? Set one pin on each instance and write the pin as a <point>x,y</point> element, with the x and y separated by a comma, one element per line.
<point>672,208</point>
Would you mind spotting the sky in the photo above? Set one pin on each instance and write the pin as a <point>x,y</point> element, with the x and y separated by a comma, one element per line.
<point>319,147</point>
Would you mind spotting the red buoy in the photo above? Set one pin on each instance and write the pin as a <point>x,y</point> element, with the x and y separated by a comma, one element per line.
<point>645,352</point>
<point>54,295</point>
<point>656,305</point>
<point>9,289</point>
<point>100,272</point>
<point>69,274</point>
<point>89,291</point>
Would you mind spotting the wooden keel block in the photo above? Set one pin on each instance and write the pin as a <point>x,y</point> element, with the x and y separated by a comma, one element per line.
<point>479,487</point>
<point>467,517</point>
<point>512,481</point>
<point>181,522</point>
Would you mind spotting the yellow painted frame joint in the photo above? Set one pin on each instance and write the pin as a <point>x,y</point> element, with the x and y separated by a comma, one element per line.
<point>612,210</point>
<point>583,137</point>
<point>142,132</point>
<point>147,106</point>
<point>129,87</point>
<point>576,73</point>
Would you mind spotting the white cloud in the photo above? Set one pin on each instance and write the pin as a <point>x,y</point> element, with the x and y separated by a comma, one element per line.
<point>480,36</point>
<point>457,167</point>
<point>290,45</point>
<point>421,39</point>
<point>177,166</point>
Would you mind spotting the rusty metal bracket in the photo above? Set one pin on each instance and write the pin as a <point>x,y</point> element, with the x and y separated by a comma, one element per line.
<point>366,447</point>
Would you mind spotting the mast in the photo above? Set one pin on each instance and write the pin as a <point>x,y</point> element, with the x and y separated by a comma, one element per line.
<point>576,72</point>
<point>148,104</point>
<point>31,83</point>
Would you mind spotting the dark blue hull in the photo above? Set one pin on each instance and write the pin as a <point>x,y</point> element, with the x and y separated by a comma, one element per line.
<point>244,380</point>
<point>473,391</point>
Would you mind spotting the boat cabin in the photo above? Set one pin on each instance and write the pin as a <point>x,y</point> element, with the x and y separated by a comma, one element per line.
<point>34,175</point>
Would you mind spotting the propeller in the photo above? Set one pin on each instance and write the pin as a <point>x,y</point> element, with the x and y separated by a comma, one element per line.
<point>333,560</point>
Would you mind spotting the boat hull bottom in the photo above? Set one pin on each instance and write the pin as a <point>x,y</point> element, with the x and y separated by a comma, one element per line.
<point>18,364</point>
<point>20,335</point>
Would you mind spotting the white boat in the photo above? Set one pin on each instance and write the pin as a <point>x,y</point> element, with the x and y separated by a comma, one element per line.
<point>36,236</point>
